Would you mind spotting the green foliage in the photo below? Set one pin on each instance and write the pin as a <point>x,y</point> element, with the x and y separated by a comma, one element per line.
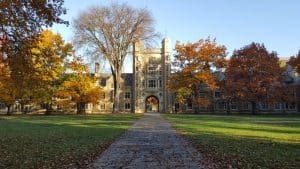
<point>243,141</point>
<point>57,141</point>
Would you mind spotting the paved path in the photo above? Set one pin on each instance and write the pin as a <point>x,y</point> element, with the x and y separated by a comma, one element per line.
<point>150,143</point>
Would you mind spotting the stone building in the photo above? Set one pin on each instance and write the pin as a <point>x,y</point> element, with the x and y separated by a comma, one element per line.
<point>144,90</point>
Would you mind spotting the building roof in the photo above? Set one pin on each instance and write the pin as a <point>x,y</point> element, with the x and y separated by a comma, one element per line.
<point>127,77</point>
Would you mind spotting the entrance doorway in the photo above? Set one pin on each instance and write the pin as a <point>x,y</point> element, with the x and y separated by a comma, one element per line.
<point>152,104</point>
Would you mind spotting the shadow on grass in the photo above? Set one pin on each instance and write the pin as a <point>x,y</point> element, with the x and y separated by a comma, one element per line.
<point>56,141</point>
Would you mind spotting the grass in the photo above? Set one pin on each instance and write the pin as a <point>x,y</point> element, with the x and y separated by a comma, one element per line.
<point>57,141</point>
<point>243,141</point>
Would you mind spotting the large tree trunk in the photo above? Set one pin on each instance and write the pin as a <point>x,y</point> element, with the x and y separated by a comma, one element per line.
<point>80,108</point>
<point>116,100</point>
<point>253,103</point>
<point>23,108</point>
<point>48,109</point>
<point>8,109</point>
<point>228,107</point>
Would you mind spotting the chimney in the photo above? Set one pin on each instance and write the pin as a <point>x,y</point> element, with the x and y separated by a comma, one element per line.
<point>97,66</point>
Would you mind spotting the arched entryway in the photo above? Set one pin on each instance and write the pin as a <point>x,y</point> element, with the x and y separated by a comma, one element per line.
<point>152,104</point>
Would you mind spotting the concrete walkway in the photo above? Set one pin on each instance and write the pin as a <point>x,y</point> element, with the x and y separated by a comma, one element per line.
<point>150,143</point>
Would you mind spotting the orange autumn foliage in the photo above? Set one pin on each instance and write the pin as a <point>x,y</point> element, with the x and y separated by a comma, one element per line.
<point>251,75</point>
<point>80,87</point>
<point>194,69</point>
<point>295,62</point>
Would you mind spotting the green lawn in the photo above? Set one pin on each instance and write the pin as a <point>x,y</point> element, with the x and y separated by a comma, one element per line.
<point>57,141</point>
<point>243,141</point>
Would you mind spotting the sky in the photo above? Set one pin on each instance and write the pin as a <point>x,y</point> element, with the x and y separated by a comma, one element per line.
<point>234,23</point>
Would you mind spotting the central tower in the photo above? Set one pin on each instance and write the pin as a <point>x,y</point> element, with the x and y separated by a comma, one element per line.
<point>151,69</point>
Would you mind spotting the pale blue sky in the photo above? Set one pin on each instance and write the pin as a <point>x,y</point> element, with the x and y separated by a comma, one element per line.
<point>234,23</point>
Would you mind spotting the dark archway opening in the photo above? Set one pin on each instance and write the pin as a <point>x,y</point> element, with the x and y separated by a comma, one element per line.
<point>152,104</point>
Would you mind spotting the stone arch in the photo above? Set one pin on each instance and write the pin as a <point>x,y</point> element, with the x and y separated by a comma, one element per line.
<point>152,104</point>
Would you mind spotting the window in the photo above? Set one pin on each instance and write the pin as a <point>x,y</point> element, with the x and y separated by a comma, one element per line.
<point>202,95</point>
<point>152,83</point>
<point>102,106</point>
<point>277,106</point>
<point>152,60</point>
<point>217,94</point>
<point>290,106</point>
<point>102,95</point>
<point>127,95</point>
<point>233,106</point>
<point>189,105</point>
<point>222,106</point>
<point>2,105</point>
<point>245,106</point>
<point>127,106</point>
<point>264,106</point>
<point>111,95</point>
<point>151,70</point>
<point>103,82</point>
<point>160,83</point>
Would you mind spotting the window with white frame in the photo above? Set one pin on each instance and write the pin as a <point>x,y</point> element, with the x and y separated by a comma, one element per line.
<point>152,83</point>
<point>264,106</point>
<point>277,106</point>
<point>152,70</point>
<point>127,106</point>
<point>290,106</point>
<point>233,106</point>
<point>127,95</point>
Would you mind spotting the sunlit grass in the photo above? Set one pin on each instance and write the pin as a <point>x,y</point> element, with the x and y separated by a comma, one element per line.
<point>244,141</point>
<point>57,141</point>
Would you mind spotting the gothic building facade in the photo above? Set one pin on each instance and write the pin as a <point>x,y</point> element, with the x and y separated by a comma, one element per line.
<point>144,90</point>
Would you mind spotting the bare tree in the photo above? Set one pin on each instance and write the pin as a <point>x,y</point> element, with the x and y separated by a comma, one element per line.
<point>110,31</point>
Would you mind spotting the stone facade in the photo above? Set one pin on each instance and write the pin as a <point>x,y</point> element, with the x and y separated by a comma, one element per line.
<point>144,90</point>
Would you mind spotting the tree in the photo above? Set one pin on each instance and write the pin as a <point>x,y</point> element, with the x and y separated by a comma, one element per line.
<point>251,73</point>
<point>295,62</point>
<point>7,87</point>
<point>47,65</point>
<point>36,72</point>
<point>20,23</point>
<point>110,31</point>
<point>194,66</point>
<point>21,19</point>
<point>81,88</point>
